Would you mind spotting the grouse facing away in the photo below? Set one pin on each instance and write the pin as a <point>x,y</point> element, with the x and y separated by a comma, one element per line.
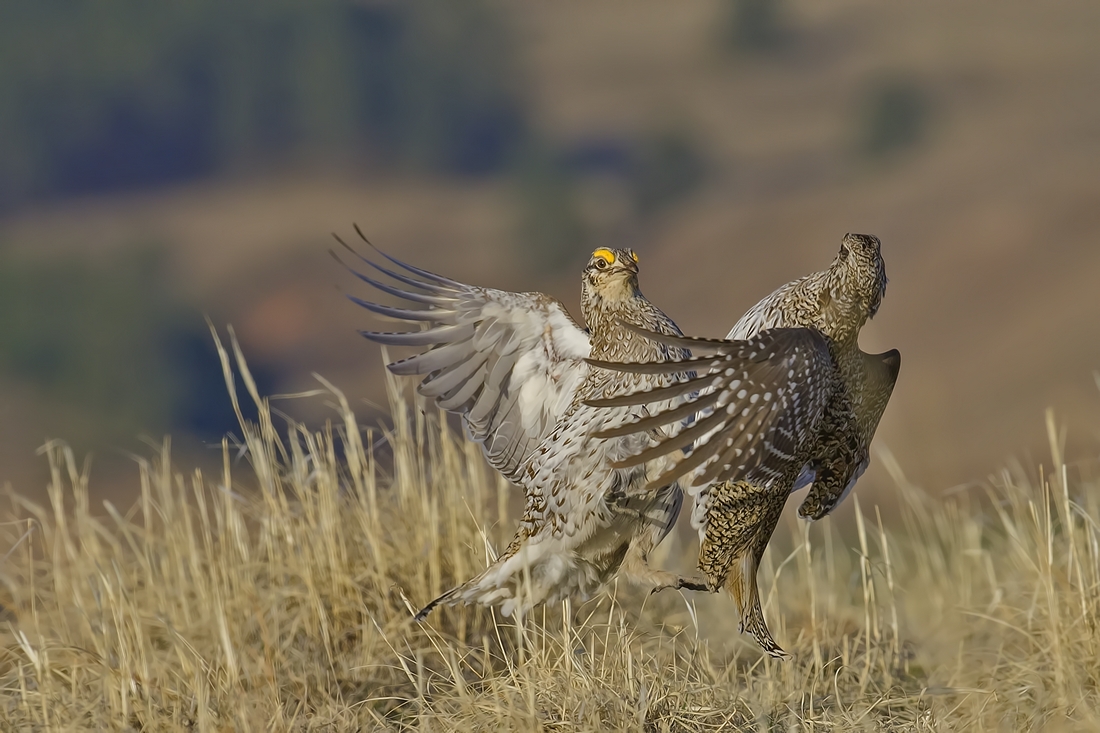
<point>788,400</point>
<point>513,365</point>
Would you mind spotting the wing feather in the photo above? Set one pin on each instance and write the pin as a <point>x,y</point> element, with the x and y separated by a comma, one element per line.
<point>436,300</point>
<point>404,314</point>
<point>457,398</point>
<point>758,399</point>
<point>403,265</point>
<point>431,287</point>
<point>439,357</point>
<point>660,419</point>
<point>429,337</point>
<point>656,394</point>
<point>440,384</point>
<point>509,363</point>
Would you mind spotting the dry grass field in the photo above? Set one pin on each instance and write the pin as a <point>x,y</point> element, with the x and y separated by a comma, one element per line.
<point>278,595</point>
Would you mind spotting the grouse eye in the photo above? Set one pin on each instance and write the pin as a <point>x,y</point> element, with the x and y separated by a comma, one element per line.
<point>843,251</point>
<point>601,263</point>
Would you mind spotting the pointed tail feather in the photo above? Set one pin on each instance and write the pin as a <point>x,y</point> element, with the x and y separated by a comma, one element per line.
<point>448,598</point>
<point>742,586</point>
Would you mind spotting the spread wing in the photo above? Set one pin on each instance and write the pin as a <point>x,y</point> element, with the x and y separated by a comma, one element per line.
<point>756,401</point>
<point>509,363</point>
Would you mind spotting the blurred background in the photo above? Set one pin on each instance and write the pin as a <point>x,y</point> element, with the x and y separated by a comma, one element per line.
<point>162,162</point>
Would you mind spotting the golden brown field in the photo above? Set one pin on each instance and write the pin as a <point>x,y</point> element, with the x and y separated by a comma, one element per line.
<point>278,596</point>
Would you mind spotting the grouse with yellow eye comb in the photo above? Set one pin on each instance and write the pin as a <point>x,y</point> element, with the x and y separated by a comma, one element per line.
<point>787,400</point>
<point>513,366</point>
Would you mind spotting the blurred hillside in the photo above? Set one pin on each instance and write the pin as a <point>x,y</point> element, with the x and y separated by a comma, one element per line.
<point>158,164</point>
<point>102,96</point>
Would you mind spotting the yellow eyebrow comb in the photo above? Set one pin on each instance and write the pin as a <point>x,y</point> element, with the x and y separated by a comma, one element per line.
<point>605,254</point>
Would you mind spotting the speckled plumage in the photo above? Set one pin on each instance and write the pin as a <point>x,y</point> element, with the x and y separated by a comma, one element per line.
<point>513,366</point>
<point>788,399</point>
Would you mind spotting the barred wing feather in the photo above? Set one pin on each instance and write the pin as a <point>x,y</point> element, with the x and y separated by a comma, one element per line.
<point>756,401</point>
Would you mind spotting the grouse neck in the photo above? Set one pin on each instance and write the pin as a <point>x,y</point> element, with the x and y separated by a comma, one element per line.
<point>611,340</point>
<point>844,307</point>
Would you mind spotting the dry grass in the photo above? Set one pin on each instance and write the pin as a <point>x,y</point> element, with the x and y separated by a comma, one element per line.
<point>278,596</point>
